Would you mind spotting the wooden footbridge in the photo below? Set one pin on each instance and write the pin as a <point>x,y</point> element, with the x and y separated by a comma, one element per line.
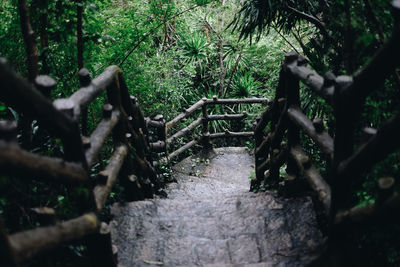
<point>141,144</point>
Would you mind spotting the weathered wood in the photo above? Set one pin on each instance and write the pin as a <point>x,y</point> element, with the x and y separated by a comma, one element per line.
<point>138,141</point>
<point>205,133</point>
<point>262,149</point>
<point>20,95</point>
<point>383,143</point>
<point>29,243</point>
<point>386,189</point>
<point>276,160</point>
<point>84,80</point>
<point>155,124</point>
<point>158,146</point>
<point>373,214</point>
<point>145,168</point>
<point>185,130</point>
<point>8,131</point>
<point>138,117</point>
<point>310,78</point>
<point>293,99</point>
<point>16,160</point>
<point>227,117</point>
<point>99,136</point>
<point>45,85</point>
<point>367,133</point>
<point>261,168</point>
<point>343,145</point>
<point>7,257</point>
<point>46,216</point>
<point>83,97</point>
<point>100,247</point>
<point>182,149</point>
<point>231,134</point>
<point>259,130</point>
<point>185,114</point>
<point>101,192</point>
<point>317,183</point>
<point>237,101</point>
<point>382,65</point>
<point>322,138</point>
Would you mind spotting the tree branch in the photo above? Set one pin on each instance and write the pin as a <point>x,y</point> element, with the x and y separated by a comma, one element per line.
<point>318,23</point>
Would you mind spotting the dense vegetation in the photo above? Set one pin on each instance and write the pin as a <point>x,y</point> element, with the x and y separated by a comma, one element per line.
<point>173,53</point>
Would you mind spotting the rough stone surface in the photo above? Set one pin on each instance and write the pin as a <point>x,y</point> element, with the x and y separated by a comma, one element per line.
<point>211,219</point>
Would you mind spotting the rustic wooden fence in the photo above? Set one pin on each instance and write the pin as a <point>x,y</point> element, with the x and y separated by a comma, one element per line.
<point>130,161</point>
<point>203,120</point>
<point>346,165</point>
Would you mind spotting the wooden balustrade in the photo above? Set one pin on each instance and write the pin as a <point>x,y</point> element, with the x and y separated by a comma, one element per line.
<point>204,120</point>
<point>334,189</point>
<point>122,120</point>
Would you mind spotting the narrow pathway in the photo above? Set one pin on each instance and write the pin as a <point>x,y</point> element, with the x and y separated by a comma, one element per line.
<point>211,219</point>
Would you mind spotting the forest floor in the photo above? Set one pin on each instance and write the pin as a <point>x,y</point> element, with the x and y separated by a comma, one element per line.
<point>211,219</point>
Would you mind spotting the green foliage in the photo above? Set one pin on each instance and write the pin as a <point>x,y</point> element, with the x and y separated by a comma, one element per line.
<point>194,48</point>
<point>244,86</point>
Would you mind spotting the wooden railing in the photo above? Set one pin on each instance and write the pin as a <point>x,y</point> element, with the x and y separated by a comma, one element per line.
<point>345,165</point>
<point>203,120</point>
<point>122,119</point>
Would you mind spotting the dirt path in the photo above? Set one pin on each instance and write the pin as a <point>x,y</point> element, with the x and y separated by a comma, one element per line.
<point>210,219</point>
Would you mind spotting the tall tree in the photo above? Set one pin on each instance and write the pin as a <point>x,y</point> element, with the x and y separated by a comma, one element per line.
<point>29,38</point>
<point>44,37</point>
<point>79,34</point>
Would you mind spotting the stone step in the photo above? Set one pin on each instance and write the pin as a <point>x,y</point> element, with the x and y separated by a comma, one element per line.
<point>212,220</point>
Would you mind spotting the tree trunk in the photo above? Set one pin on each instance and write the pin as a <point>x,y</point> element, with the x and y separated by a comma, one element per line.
<point>29,38</point>
<point>33,69</point>
<point>222,67</point>
<point>44,38</point>
<point>79,12</point>
<point>348,40</point>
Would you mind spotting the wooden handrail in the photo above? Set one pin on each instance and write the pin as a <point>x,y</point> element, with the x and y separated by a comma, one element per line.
<point>344,167</point>
<point>122,119</point>
<point>13,160</point>
<point>204,121</point>
<point>29,243</point>
<point>319,135</point>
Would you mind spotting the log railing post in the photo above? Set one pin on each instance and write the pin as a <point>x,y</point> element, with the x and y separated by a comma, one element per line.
<point>45,85</point>
<point>100,249</point>
<point>205,139</point>
<point>278,128</point>
<point>162,131</point>
<point>8,131</point>
<point>84,81</point>
<point>293,99</point>
<point>7,257</point>
<point>343,144</point>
